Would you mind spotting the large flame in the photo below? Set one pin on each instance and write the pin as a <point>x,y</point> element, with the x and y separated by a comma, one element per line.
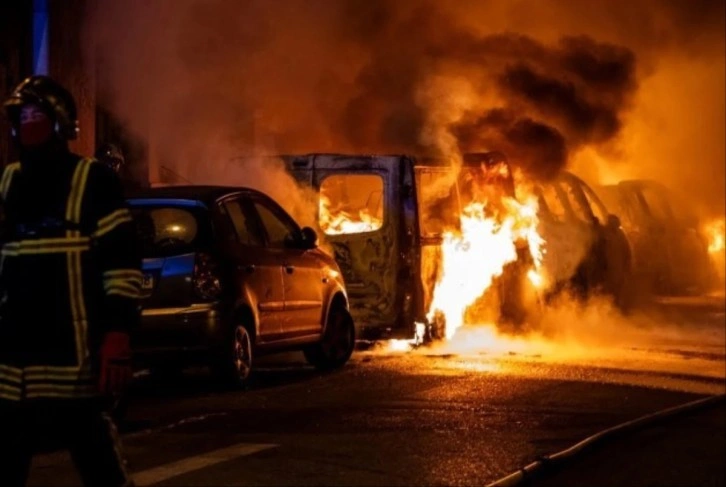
<point>336,221</point>
<point>716,235</point>
<point>473,257</point>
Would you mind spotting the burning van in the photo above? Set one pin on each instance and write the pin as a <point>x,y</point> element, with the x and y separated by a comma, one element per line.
<point>419,241</point>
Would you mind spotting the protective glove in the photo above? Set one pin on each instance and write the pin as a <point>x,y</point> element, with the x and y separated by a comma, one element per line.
<point>115,357</point>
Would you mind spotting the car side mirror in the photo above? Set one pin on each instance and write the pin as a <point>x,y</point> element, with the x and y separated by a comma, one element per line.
<point>613,222</point>
<point>308,238</point>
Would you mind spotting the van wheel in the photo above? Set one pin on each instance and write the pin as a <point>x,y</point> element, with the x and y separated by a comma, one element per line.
<point>233,364</point>
<point>337,344</point>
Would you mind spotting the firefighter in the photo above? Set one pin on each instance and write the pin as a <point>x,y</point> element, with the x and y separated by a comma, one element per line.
<point>70,283</point>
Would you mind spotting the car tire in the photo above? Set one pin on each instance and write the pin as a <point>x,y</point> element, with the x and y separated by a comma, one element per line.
<point>337,343</point>
<point>234,360</point>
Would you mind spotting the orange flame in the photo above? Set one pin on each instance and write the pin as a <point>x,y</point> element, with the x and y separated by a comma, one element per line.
<point>337,221</point>
<point>716,235</point>
<point>474,257</point>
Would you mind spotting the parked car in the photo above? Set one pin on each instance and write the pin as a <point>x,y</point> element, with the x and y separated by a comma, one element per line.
<point>229,275</point>
<point>587,250</point>
<point>670,253</point>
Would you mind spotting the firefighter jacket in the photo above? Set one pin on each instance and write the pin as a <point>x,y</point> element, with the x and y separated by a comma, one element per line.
<point>69,273</point>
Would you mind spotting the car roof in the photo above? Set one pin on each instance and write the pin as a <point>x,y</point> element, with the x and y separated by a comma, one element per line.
<point>207,194</point>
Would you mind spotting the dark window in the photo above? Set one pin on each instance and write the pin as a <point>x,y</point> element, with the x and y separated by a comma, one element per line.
<point>279,229</point>
<point>244,226</point>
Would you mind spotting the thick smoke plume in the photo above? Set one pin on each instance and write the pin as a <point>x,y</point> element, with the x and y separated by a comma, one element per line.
<point>362,76</point>
<point>545,82</point>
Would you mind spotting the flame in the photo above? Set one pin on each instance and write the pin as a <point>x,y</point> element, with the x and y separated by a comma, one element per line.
<point>336,221</point>
<point>716,235</point>
<point>473,257</point>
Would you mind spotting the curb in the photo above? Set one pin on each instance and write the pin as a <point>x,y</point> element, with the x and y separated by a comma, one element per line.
<point>546,463</point>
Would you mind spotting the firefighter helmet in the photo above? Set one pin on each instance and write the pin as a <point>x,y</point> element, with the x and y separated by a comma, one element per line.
<point>111,155</point>
<point>52,97</point>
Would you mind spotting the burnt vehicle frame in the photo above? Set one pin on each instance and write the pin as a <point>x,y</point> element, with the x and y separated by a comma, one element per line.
<point>596,256</point>
<point>670,254</point>
<point>389,286</point>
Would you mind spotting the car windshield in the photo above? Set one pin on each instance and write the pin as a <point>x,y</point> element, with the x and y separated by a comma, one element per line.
<point>165,230</point>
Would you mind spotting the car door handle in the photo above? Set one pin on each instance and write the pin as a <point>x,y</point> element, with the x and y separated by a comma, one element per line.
<point>289,269</point>
<point>249,269</point>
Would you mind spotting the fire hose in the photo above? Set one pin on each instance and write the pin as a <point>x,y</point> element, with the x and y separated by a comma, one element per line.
<point>547,463</point>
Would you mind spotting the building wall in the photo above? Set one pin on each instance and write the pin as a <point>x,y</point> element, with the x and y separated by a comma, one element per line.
<point>15,61</point>
<point>69,62</point>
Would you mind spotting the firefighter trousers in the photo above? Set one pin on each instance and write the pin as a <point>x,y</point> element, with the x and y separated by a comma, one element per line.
<point>80,426</point>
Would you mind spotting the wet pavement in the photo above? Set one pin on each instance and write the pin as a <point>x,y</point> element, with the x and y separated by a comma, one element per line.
<point>442,416</point>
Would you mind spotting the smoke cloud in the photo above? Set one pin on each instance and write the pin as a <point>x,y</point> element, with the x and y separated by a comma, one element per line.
<point>547,83</point>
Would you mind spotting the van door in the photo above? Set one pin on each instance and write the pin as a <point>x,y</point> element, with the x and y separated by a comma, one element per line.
<point>360,218</point>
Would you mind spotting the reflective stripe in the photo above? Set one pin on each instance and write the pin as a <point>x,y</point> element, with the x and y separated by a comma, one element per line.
<point>111,221</point>
<point>9,393</point>
<point>53,390</point>
<point>124,293</point>
<point>128,273</point>
<point>130,285</point>
<point>57,374</point>
<point>123,282</point>
<point>10,170</point>
<point>46,246</point>
<point>73,260</point>
<point>10,374</point>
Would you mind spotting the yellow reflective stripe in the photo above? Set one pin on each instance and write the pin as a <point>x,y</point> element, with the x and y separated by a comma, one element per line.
<point>49,373</point>
<point>53,390</point>
<point>129,284</point>
<point>125,273</point>
<point>13,249</point>
<point>73,260</point>
<point>57,369</point>
<point>13,374</point>
<point>10,170</point>
<point>108,223</point>
<point>9,393</point>
<point>135,294</point>
<point>85,167</point>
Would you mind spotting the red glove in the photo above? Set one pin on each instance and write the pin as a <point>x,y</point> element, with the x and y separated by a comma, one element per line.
<point>115,363</point>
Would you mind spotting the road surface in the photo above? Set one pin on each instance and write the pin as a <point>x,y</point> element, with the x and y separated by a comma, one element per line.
<point>466,413</point>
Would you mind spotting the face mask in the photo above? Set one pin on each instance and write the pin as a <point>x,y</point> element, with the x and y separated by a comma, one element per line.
<point>36,132</point>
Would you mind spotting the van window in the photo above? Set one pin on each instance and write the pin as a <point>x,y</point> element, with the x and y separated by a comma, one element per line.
<point>351,203</point>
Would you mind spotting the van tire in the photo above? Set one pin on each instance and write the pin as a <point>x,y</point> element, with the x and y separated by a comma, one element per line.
<point>338,341</point>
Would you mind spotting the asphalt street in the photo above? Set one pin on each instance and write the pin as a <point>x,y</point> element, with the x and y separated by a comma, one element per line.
<point>439,416</point>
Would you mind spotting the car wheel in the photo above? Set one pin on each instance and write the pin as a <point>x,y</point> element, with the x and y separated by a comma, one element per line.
<point>234,362</point>
<point>337,343</point>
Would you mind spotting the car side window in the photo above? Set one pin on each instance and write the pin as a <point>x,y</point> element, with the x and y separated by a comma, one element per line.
<point>247,232</point>
<point>553,202</point>
<point>576,202</point>
<point>279,229</point>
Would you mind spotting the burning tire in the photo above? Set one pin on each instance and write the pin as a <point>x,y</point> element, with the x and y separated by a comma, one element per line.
<point>338,341</point>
